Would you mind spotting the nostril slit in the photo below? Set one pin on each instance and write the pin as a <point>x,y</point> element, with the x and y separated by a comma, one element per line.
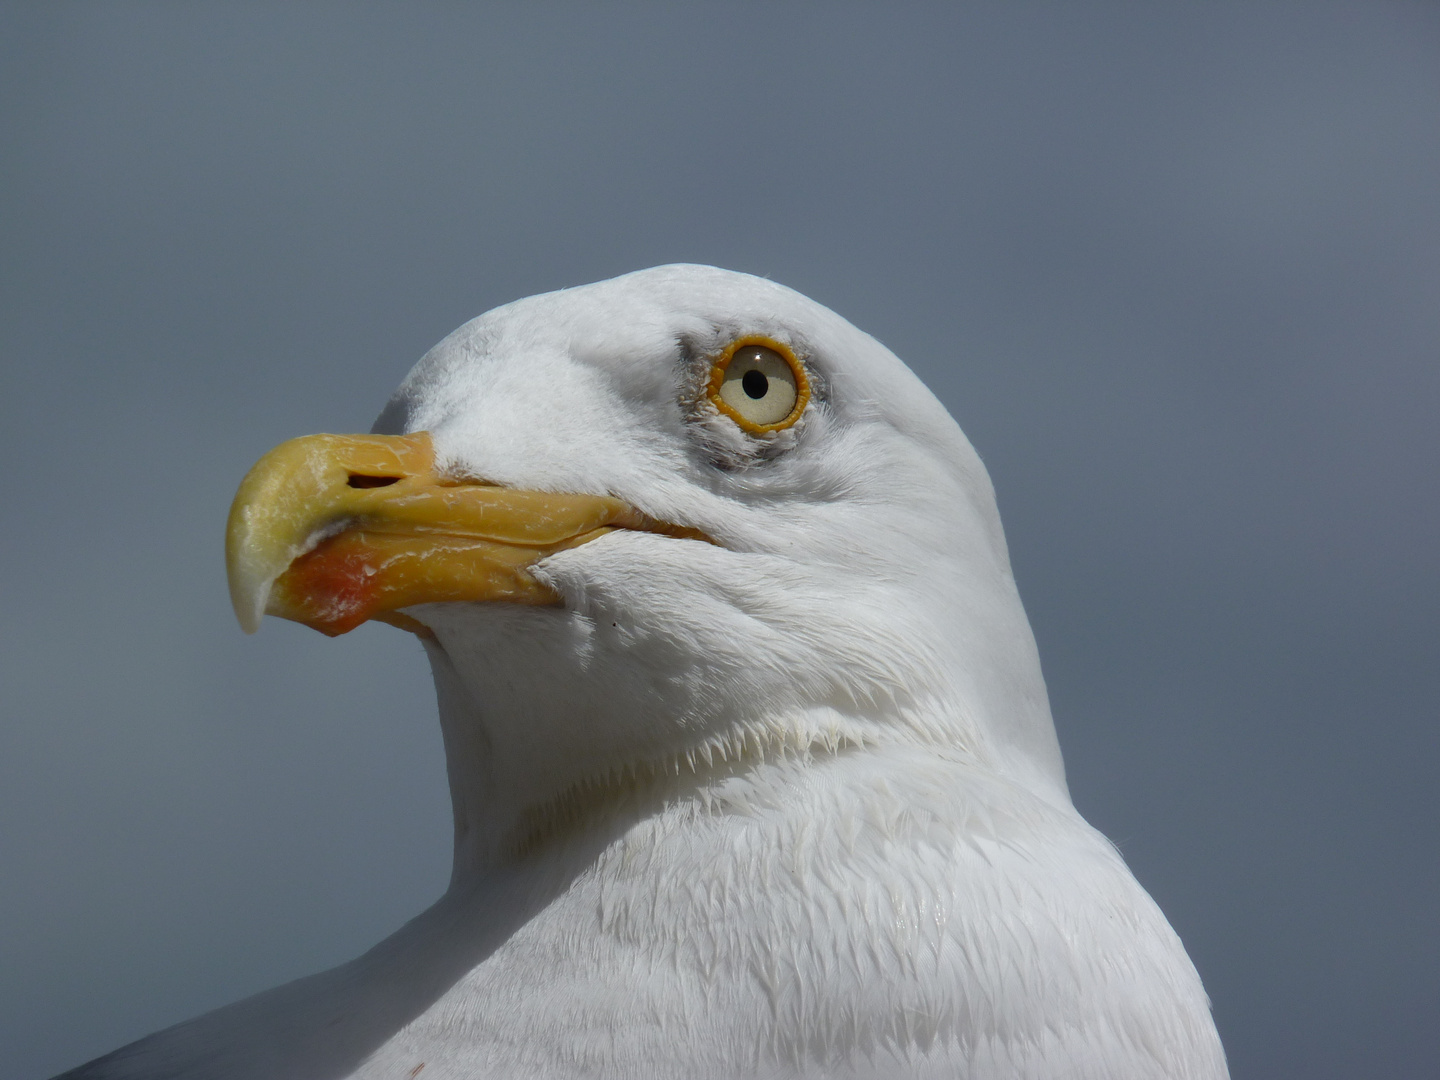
<point>358,480</point>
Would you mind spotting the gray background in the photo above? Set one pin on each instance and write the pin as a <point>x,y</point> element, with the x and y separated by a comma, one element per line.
<point>1176,270</point>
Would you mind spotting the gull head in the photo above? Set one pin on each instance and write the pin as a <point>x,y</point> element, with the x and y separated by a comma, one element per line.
<point>678,518</point>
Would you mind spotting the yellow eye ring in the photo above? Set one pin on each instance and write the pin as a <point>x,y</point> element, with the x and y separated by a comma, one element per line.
<point>758,383</point>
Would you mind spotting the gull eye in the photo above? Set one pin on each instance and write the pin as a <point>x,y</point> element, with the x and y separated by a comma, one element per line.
<point>759,384</point>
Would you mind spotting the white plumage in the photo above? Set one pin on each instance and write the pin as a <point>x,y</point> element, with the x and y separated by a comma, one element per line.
<point>785,804</point>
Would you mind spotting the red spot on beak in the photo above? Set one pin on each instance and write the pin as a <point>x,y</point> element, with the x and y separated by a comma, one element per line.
<point>339,585</point>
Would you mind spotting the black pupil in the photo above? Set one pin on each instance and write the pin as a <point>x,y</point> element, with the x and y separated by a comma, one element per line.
<point>755,384</point>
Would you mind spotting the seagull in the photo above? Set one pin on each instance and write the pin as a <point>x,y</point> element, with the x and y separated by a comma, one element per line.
<point>752,763</point>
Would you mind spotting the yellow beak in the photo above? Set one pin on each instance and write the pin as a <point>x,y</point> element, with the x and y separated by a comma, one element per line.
<point>332,530</point>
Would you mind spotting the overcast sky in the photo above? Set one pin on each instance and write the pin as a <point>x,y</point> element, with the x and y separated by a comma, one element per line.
<point>1175,270</point>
